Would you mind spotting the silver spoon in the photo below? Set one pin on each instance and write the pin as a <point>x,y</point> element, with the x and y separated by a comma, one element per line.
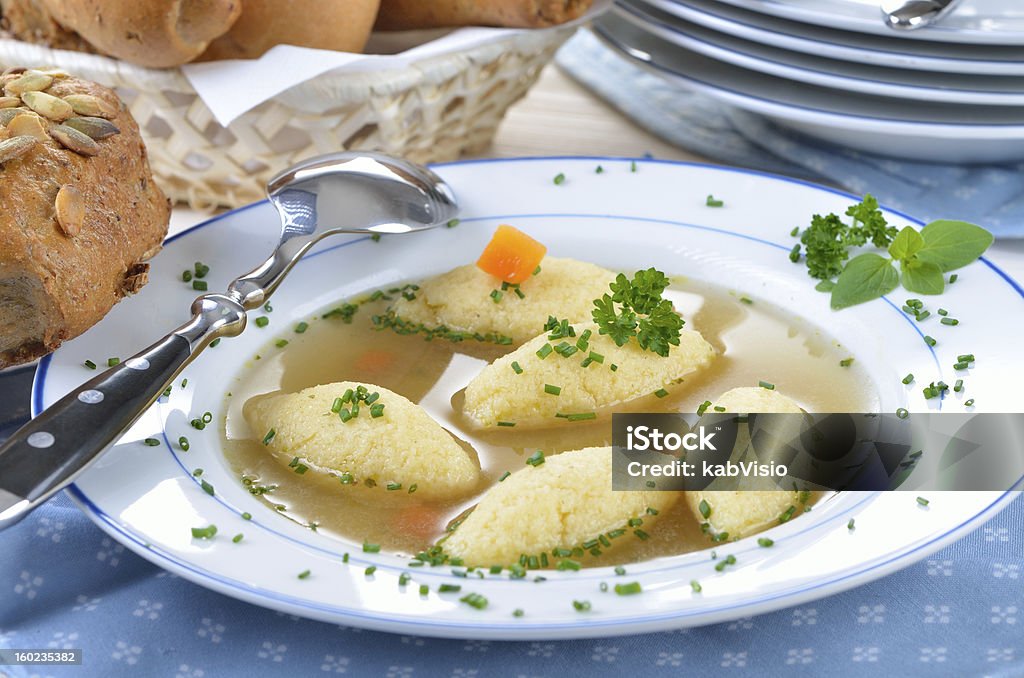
<point>908,15</point>
<point>339,193</point>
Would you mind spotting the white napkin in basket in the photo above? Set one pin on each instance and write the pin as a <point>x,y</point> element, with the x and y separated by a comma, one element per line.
<point>232,87</point>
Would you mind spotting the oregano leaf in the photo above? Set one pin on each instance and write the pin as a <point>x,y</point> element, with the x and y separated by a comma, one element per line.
<point>865,277</point>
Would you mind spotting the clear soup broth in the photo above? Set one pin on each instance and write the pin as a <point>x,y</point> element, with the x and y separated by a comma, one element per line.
<point>755,341</point>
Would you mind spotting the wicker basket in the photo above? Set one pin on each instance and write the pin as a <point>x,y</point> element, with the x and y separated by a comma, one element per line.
<point>438,109</point>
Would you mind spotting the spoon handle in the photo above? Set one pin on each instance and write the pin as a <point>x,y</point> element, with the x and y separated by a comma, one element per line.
<point>47,453</point>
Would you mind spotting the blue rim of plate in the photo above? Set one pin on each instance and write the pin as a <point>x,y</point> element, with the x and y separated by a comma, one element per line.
<point>264,597</point>
<point>631,53</point>
<point>647,18</point>
<point>757,27</point>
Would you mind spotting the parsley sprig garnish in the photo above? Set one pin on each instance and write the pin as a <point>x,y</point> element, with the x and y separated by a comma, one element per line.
<point>922,256</point>
<point>635,308</point>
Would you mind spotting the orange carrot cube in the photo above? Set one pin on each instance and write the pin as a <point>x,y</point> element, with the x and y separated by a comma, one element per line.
<point>511,255</point>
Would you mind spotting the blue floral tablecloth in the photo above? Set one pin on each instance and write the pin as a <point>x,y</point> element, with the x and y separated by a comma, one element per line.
<point>65,584</point>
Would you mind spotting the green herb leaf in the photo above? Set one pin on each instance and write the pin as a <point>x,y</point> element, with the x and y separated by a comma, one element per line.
<point>907,243</point>
<point>865,277</point>
<point>923,277</point>
<point>952,244</point>
<point>825,286</point>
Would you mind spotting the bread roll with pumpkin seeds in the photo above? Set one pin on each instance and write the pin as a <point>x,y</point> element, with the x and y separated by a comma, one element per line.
<point>81,213</point>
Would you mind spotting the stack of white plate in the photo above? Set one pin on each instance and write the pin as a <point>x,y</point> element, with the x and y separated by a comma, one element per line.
<point>950,92</point>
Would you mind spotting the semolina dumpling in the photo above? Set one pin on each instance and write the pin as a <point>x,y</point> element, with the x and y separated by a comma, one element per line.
<point>527,397</point>
<point>392,440</point>
<point>561,503</point>
<point>462,300</point>
<point>742,513</point>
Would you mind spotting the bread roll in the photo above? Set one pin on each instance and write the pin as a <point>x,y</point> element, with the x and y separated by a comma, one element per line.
<point>399,15</point>
<point>155,33</point>
<point>30,21</point>
<point>81,212</point>
<point>340,25</point>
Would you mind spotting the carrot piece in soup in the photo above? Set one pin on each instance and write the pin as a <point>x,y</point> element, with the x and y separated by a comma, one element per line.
<point>511,255</point>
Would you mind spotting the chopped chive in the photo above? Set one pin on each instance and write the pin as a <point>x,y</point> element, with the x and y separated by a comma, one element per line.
<point>113,361</point>
<point>368,572</point>
<point>536,459</point>
<point>959,385</point>
<point>238,537</point>
<point>969,403</point>
<point>552,390</point>
<point>966,358</point>
<point>183,443</point>
<point>377,410</point>
<point>695,585</point>
<point>794,254</point>
<point>496,296</point>
<point>953,278</point>
<point>746,300</point>
<point>474,600</point>
<point>200,285</point>
<point>950,321</point>
<point>765,542</point>
<point>393,486</point>
<point>930,341</point>
<point>580,416</point>
<point>90,364</point>
<point>613,367</point>
<point>581,605</point>
<point>922,501</point>
<point>942,312</point>
<point>787,514</point>
<point>961,366</point>
<point>215,343</point>
<point>186,275</point>
<point>281,343</point>
<point>851,525</point>
<point>729,560</point>
<point>504,475</point>
<point>629,589</point>
<point>516,368</point>
<point>568,564</point>
<point>846,362</point>
<point>304,574</point>
<point>795,231</point>
<point>544,351</point>
<point>207,417</point>
<point>452,223</point>
<point>270,436</point>
<point>518,612</point>
<point>908,379</point>
<point>661,393</point>
<point>371,548</point>
<point>262,321</point>
<point>424,590</point>
<point>449,588</point>
<point>207,487</point>
<point>703,407</point>
<point>508,424</point>
<point>559,179</point>
<point>151,442</point>
<point>712,202</point>
<point>201,269</point>
<point>204,532</point>
<point>301,327</point>
<point>902,413</point>
<point>766,384</point>
<point>719,408</point>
